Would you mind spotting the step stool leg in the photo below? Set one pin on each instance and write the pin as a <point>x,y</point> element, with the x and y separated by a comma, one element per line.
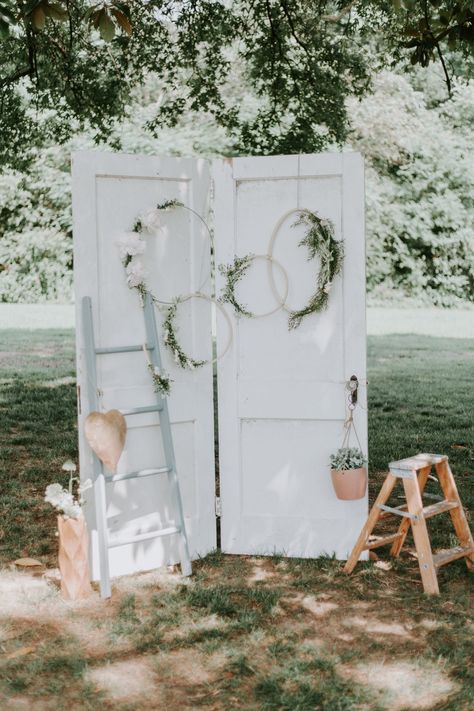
<point>461,526</point>
<point>420,536</point>
<point>404,527</point>
<point>372,519</point>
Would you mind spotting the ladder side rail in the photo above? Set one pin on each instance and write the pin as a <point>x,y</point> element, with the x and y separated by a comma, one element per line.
<point>458,517</point>
<point>166,434</point>
<point>99,477</point>
<point>404,527</point>
<point>420,535</point>
<point>369,525</point>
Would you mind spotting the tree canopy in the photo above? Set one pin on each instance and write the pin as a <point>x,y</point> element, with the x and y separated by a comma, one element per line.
<point>73,64</point>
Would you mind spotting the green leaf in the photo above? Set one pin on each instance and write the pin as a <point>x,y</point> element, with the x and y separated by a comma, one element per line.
<point>106,26</point>
<point>4,28</point>
<point>56,12</point>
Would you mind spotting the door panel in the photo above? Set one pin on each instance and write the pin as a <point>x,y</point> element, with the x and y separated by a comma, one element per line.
<point>109,192</point>
<point>282,393</point>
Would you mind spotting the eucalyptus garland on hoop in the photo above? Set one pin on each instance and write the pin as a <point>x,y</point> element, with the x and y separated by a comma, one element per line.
<point>232,274</point>
<point>131,247</point>
<point>171,341</point>
<point>161,381</point>
<point>321,242</point>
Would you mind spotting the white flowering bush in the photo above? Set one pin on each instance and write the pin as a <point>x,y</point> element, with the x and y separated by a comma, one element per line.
<point>62,499</point>
<point>419,187</point>
<point>348,458</point>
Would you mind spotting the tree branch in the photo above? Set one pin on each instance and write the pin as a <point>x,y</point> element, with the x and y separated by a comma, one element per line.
<point>19,74</point>
<point>345,11</point>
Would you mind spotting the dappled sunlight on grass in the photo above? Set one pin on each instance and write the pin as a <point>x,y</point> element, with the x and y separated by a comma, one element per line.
<point>243,631</point>
<point>403,684</point>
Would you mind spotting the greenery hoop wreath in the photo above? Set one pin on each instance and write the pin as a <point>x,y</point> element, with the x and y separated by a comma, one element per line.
<point>131,248</point>
<point>235,271</point>
<point>320,241</point>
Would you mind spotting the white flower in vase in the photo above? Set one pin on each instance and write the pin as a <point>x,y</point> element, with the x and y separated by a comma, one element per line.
<point>136,273</point>
<point>151,220</point>
<point>131,245</point>
<point>62,500</point>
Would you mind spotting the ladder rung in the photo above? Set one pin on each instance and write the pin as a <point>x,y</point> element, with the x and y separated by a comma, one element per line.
<point>444,557</point>
<point>144,537</point>
<point>399,511</point>
<point>440,507</point>
<point>122,349</point>
<point>381,541</point>
<point>141,410</point>
<point>137,475</point>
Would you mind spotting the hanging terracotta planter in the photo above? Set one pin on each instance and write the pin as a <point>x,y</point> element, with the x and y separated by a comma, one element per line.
<point>349,484</point>
<point>73,558</point>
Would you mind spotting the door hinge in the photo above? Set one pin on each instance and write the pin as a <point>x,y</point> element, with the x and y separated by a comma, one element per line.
<point>211,190</point>
<point>218,507</point>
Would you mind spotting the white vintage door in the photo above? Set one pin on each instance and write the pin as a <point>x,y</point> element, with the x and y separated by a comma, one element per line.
<point>281,393</point>
<point>109,192</point>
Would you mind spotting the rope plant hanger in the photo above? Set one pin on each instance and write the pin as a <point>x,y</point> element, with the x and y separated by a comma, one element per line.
<point>131,247</point>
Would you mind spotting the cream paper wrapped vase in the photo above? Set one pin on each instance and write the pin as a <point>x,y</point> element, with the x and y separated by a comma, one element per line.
<point>73,558</point>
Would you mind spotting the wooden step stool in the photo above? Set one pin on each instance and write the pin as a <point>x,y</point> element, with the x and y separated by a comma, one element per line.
<point>414,473</point>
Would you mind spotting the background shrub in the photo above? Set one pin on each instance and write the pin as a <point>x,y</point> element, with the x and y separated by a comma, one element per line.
<point>419,191</point>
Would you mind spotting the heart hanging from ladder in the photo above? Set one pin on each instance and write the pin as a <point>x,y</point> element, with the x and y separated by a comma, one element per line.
<point>106,432</point>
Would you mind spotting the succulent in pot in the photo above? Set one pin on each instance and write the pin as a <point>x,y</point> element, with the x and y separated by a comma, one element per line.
<point>349,473</point>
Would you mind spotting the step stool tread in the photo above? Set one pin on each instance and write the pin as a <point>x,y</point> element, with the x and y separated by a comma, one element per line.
<point>418,461</point>
<point>444,557</point>
<point>440,507</point>
<point>381,541</point>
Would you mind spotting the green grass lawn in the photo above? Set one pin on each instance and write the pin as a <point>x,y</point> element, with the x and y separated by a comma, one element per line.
<point>263,633</point>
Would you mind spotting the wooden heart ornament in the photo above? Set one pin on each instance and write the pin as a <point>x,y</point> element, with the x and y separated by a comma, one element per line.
<point>106,432</point>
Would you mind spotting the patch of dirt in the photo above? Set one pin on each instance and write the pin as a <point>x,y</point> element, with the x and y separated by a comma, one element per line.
<point>186,628</point>
<point>402,684</point>
<point>377,627</point>
<point>132,680</point>
<point>318,608</point>
<point>190,665</point>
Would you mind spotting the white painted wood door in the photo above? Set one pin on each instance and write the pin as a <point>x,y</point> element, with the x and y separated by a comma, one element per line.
<point>109,192</point>
<point>281,393</point>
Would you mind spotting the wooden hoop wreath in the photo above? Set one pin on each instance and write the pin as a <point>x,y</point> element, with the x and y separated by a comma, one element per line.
<point>238,268</point>
<point>321,242</point>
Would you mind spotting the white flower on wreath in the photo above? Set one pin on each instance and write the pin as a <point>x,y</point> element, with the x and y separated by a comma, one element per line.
<point>130,245</point>
<point>151,220</point>
<point>62,500</point>
<point>327,287</point>
<point>136,273</point>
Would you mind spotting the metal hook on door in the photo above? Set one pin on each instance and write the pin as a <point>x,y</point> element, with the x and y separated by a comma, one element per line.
<point>353,387</point>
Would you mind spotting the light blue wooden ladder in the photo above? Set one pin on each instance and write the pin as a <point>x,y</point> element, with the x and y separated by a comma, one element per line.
<point>101,479</point>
